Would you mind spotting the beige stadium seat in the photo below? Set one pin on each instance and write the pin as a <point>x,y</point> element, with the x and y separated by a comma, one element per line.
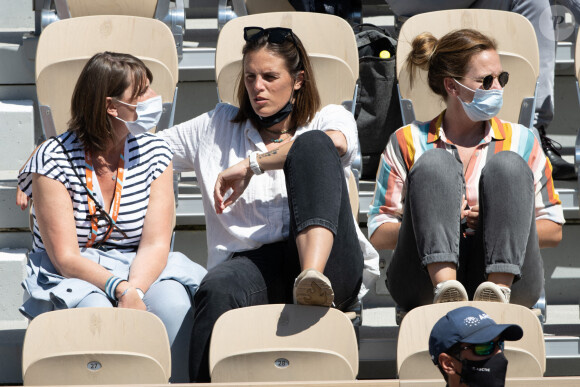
<point>96,346</point>
<point>527,356</point>
<point>80,8</point>
<point>320,34</point>
<point>170,12</point>
<point>65,46</point>
<point>229,9</point>
<point>274,343</point>
<point>518,50</point>
<point>328,39</point>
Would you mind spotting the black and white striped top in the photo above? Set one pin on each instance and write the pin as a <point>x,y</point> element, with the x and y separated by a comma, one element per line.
<point>146,157</point>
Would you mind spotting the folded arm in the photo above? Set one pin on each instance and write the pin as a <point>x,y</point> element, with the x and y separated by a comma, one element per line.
<point>238,176</point>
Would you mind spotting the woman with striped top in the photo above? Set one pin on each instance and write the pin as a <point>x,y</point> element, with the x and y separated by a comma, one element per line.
<point>104,207</point>
<point>466,200</point>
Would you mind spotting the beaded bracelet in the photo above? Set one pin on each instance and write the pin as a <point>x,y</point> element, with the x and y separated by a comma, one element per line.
<point>111,286</point>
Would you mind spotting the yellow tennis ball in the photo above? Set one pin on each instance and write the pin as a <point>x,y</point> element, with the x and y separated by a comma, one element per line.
<point>384,54</point>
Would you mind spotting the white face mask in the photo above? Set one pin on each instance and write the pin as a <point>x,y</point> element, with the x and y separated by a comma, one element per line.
<point>485,105</point>
<point>148,114</point>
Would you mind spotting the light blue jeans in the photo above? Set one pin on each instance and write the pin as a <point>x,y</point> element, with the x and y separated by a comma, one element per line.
<point>505,241</point>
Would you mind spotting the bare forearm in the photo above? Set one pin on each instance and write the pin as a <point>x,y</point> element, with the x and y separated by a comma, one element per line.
<point>147,266</point>
<point>71,265</point>
<point>385,237</point>
<point>275,158</point>
<point>153,248</point>
<point>549,233</point>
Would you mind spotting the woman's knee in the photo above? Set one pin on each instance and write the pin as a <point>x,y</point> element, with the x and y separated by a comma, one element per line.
<point>508,167</point>
<point>95,300</point>
<point>232,283</point>
<point>310,147</point>
<point>168,295</point>
<point>436,165</point>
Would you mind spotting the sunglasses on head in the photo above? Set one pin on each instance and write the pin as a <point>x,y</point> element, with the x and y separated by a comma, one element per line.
<point>275,35</point>
<point>483,349</point>
<point>487,81</point>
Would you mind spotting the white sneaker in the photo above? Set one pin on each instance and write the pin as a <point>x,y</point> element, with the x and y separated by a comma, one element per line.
<point>449,291</point>
<point>313,288</point>
<point>489,291</point>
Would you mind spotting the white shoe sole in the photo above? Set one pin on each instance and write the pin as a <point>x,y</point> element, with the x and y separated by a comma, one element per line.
<point>313,288</point>
<point>450,291</point>
<point>490,292</point>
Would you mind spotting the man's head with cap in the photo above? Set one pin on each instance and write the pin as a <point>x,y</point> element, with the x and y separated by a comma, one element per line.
<point>460,329</point>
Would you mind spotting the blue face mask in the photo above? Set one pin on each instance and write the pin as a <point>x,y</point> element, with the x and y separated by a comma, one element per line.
<point>148,114</point>
<point>485,105</point>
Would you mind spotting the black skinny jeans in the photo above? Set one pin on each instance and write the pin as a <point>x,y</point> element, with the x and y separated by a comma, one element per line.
<point>317,196</point>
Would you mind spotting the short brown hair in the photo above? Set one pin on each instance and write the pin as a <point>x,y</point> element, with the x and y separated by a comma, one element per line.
<point>307,100</point>
<point>106,74</point>
<point>446,57</point>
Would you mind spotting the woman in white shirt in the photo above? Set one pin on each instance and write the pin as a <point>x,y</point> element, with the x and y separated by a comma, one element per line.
<point>279,223</point>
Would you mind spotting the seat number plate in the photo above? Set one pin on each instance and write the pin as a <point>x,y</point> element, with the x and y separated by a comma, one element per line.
<point>94,365</point>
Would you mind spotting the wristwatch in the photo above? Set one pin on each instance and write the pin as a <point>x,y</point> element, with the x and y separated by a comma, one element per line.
<point>140,293</point>
<point>254,166</point>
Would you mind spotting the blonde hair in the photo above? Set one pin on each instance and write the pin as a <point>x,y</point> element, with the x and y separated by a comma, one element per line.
<point>445,57</point>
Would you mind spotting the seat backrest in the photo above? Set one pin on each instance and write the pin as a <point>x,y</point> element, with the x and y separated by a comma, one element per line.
<point>79,8</point>
<point>269,343</point>
<point>65,46</point>
<point>527,356</point>
<point>96,346</point>
<point>328,39</point>
<point>517,47</point>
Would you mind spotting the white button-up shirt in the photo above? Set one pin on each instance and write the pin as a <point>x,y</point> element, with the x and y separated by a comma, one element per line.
<point>210,143</point>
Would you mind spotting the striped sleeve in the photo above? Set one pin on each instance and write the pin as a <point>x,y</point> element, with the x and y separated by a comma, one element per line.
<point>547,202</point>
<point>387,203</point>
<point>156,153</point>
<point>47,160</point>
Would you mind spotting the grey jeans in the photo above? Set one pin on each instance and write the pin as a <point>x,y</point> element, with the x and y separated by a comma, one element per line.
<point>505,241</point>
<point>538,12</point>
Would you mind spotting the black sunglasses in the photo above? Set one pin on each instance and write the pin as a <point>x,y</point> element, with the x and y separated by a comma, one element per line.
<point>487,81</point>
<point>275,35</point>
<point>483,349</point>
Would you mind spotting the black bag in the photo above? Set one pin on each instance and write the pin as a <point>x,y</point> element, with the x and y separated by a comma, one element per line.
<point>377,111</point>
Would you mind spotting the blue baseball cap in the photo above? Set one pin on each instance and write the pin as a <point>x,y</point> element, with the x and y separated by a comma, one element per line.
<point>468,325</point>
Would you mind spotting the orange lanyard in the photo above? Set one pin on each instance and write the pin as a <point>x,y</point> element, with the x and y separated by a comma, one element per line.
<point>116,200</point>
